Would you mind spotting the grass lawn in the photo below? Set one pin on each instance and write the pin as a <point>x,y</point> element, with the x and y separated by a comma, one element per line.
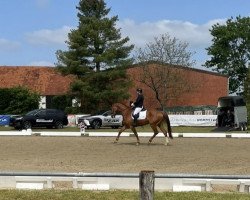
<point>113,195</point>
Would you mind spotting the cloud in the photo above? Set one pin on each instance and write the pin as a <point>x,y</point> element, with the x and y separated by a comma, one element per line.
<point>8,45</point>
<point>198,36</point>
<point>41,63</point>
<point>49,37</point>
<point>42,3</point>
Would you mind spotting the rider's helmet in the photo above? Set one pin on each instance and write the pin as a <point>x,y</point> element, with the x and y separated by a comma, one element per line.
<point>139,90</point>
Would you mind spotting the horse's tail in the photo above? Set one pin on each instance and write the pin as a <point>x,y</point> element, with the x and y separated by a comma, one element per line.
<point>168,124</point>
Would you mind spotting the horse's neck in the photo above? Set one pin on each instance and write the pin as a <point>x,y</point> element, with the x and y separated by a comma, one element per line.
<point>124,109</point>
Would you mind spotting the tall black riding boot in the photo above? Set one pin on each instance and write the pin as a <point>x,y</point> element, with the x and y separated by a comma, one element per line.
<point>135,121</point>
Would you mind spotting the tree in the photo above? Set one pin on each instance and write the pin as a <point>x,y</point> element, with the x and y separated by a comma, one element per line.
<point>230,51</point>
<point>158,61</point>
<point>101,89</point>
<point>96,46</point>
<point>18,100</point>
<point>247,94</point>
<point>61,102</point>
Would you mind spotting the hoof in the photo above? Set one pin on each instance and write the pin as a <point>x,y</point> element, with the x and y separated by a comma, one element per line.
<point>115,141</point>
<point>149,142</point>
<point>137,143</point>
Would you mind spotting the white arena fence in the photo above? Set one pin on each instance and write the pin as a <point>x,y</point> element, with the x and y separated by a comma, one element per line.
<point>175,120</point>
<point>121,181</point>
<point>30,132</point>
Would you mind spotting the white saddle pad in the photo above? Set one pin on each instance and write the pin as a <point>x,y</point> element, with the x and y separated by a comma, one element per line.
<point>142,115</point>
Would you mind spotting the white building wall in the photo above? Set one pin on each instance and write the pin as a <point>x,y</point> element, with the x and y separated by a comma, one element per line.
<point>42,103</point>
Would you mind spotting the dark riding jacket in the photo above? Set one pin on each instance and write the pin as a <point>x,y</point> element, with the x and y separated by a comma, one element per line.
<point>139,101</point>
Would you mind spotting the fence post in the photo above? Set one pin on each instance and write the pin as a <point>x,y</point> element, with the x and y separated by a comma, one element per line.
<point>146,183</point>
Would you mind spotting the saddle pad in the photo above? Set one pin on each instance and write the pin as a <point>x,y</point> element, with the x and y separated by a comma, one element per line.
<point>142,115</point>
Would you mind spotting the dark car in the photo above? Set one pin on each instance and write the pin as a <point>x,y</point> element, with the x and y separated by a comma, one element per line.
<point>40,118</point>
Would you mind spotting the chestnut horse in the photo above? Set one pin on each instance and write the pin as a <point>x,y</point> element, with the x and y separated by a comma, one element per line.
<point>154,118</point>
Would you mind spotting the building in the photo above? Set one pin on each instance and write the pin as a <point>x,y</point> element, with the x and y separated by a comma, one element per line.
<point>209,86</point>
<point>44,80</point>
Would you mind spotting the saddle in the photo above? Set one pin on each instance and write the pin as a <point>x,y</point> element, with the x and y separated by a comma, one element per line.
<point>142,114</point>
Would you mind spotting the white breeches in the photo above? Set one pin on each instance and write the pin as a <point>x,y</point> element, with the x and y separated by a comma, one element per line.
<point>137,110</point>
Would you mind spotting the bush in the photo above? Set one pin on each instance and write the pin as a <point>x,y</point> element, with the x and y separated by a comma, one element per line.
<point>61,102</point>
<point>18,100</point>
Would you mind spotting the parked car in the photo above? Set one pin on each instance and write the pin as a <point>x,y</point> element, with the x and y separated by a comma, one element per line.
<point>102,119</point>
<point>40,118</point>
<point>232,112</point>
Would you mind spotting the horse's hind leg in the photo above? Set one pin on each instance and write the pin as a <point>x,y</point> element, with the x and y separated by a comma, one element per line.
<point>136,135</point>
<point>119,133</point>
<point>164,132</point>
<point>154,127</point>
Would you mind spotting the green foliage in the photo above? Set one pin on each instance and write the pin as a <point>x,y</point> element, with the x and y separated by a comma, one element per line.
<point>61,102</point>
<point>18,100</point>
<point>5,98</point>
<point>247,95</point>
<point>73,110</point>
<point>96,44</point>
<point>230,51</point>
<point>94,47</point>
<point>99,90</point>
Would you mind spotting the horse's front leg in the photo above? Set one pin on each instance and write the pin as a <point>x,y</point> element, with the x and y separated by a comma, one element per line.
<point>119,133</point>
<point>136,135</point>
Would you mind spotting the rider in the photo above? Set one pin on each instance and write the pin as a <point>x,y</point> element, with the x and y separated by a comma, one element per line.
<point>137,105</point>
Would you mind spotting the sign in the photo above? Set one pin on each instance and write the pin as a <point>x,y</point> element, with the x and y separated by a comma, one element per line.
<point>4,120</point>
<point>72,120</point>
<point>193,120</point>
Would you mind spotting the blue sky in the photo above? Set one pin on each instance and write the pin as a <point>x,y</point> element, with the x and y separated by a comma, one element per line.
<point>32,30</point>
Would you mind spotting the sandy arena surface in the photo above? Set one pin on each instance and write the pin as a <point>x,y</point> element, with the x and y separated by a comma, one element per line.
<point>100,154</point>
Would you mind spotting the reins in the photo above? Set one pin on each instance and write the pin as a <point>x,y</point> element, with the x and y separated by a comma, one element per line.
<point>126,107</point>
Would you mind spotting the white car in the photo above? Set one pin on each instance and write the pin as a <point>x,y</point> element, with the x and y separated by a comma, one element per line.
<point>102,120</point>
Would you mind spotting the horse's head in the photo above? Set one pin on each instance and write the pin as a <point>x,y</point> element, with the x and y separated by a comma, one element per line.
<point>119,108</point>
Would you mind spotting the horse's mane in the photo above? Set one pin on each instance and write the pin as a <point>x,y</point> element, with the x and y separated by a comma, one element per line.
<point>123,104</point>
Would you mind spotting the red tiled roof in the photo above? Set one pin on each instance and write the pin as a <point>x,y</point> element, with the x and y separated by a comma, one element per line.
<point>44,80</point>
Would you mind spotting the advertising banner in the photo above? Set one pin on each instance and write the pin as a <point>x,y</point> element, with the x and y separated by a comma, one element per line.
<point>72,120</point>
<point>193,120</point>
<point>4,120</point>
<point>175,120</point>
